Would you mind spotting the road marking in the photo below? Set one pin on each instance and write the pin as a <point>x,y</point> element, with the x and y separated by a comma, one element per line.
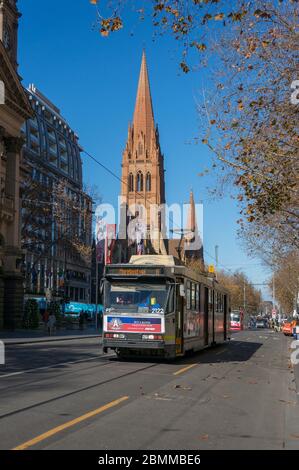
<point>27,371</point>
<point>184,369</point>
<point>69,424</point>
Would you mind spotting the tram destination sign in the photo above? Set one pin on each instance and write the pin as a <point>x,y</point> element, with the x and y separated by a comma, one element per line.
<point>134,271</point>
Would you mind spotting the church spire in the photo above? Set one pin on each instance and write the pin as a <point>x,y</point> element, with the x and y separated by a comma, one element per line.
<point>143,115</point>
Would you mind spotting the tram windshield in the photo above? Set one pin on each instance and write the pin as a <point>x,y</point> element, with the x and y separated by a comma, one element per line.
<point>235,317</point>
<point>136,297</point>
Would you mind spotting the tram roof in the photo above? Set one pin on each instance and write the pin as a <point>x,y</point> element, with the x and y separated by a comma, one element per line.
<point>155,260</point>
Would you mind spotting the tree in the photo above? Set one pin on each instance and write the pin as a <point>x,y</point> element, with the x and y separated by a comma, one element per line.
<point>250,123</point>
<point>31,314</point>
<point>241,291</point>
<point>55,309</point>
<point>286,281</point>
<point>53,215</point>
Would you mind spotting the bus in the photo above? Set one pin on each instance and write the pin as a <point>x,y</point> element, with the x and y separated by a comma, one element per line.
<point>155,306</point>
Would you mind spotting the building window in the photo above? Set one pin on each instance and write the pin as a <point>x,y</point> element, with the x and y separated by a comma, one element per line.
<point>148,182</point>
<point>139,181</point>
<point>131,182</point>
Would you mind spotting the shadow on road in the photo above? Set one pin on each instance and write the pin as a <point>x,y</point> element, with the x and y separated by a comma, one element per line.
<point>233,351</point>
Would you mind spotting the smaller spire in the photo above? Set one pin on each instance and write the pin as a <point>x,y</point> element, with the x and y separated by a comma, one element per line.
<point>191,218</point>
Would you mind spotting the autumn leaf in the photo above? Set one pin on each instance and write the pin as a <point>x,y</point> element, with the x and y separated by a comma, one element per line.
<point>219,16</point>
<point>104,32</point>
<point>184,67</point>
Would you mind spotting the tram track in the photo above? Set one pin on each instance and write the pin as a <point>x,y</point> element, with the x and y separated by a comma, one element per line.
<point>103,362</point>
<point>74,392</point>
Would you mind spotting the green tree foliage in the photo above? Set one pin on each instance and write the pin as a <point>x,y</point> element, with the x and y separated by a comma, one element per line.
<point>54,308</point>
<point>31,314</point>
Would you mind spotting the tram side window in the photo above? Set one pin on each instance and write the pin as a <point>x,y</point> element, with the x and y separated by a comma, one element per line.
<point>217,302</point>
<point>188,295</point>
<point>170,305</point>
<point>197,302</point>
<point>192,296</point>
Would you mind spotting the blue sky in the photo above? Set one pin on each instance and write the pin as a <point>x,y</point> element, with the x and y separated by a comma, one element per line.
<point>93,80</point>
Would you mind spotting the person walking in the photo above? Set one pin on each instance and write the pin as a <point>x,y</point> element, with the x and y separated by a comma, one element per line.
<point>46,319</point>
<point>81,320</point>
<point>51,324</point>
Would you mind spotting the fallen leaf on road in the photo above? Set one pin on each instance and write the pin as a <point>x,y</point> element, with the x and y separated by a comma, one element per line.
<point>226,396</point>
<point>295,436</point>
<point>204,437</point>
<point>182,387</point>
<point>288,402</point>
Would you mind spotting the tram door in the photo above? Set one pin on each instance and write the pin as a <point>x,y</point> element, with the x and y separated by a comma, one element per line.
<point>179,323</point>
<point>206,317</point>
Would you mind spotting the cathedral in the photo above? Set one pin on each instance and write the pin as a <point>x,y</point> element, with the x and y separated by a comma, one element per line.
<point>143,226</point>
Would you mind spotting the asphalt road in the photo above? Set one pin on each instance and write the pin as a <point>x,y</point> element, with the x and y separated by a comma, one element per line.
<point>67,395</point>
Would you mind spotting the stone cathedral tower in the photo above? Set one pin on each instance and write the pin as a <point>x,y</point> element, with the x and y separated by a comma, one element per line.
<point>143,181</point>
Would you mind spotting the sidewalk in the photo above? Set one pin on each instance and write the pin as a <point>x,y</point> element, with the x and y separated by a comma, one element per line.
<point>41,336</point>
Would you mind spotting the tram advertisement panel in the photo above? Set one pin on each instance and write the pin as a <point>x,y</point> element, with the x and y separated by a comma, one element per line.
<point>134,324</point>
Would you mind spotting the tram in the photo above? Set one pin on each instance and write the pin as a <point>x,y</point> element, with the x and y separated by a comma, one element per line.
<point>237,320</point>
<point>155,306</point>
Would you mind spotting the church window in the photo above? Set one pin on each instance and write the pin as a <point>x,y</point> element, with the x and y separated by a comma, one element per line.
<point>139,181</point>
<point>148,182</point>
<point>131,182</point>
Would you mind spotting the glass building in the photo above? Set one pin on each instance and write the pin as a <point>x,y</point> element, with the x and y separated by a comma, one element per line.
<point>56,212</point>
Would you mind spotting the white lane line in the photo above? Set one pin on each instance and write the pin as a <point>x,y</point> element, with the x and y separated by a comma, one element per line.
<point>27,371</point>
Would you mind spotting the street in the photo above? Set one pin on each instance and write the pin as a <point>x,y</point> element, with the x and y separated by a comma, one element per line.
<point>68,395</point>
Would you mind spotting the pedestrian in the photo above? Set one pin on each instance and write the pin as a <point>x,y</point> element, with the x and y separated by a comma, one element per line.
<point>81,320</point>
<point>46,318</point>
<point>51,323</point>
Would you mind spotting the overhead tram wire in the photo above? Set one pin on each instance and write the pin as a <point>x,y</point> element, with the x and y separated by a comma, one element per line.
<point>140,194</point>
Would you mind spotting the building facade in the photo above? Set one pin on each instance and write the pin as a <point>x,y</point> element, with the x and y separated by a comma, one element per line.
<point>143,183</point>
<point>14,110</point>
<point>56,230</point>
